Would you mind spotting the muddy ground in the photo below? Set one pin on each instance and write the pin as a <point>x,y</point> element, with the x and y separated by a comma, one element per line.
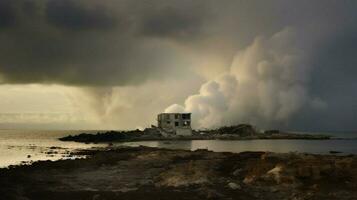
<point>150,173</point>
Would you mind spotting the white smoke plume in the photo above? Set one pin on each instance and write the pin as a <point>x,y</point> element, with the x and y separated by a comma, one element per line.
<point>266,84</point>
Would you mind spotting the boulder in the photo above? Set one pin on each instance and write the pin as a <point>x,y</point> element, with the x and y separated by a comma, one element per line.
<point>237,172</point>
<point>249,180</point>
<point>275,173</point>
<point>234,186</point>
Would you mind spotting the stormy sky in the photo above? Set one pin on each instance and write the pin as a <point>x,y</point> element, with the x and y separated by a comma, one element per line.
<point>115,64</point>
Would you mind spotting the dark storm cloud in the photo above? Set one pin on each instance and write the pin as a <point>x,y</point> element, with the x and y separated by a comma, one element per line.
<point>71,14</point>
<point>334,80</point>
<point>7,15</point>
<point>90,42</point>
<point>172,22</point>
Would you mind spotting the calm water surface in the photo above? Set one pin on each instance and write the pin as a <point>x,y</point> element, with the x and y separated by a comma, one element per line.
<point>282,146</point>
<point>17,146</point>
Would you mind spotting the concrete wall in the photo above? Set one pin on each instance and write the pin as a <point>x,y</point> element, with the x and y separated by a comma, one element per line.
<point>183,131</point>
<point>174,121</point>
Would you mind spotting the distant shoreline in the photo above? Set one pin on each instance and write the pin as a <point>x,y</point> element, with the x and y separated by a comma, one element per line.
<point>223,133</point>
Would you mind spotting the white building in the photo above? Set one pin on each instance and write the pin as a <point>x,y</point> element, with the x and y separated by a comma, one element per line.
<point>175,123</point>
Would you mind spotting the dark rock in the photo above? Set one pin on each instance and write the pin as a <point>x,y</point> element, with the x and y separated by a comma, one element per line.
<point>335,152</point>
<point>271,132</point>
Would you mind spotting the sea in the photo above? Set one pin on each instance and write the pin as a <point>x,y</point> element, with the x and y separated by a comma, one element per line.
<point>27,146</point>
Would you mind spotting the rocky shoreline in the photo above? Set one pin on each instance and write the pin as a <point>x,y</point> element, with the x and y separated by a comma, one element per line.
<point>239,132</point>
<point>151,173</point>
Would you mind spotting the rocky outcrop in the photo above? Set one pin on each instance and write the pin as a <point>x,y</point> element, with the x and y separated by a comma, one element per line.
<point>109,136</point>
<point>238,132</point>
<point>242,130</point>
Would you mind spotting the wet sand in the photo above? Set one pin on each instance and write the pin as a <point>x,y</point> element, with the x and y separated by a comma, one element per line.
<point>151,173</point>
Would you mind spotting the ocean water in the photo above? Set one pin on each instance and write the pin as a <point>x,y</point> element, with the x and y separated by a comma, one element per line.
<point>345,146</point>
<point>26,146</point>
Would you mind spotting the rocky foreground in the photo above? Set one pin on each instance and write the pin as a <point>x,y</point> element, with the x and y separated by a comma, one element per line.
<point>149,173</point>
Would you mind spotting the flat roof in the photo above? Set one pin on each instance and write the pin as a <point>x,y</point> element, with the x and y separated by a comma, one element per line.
<point>172,113</point>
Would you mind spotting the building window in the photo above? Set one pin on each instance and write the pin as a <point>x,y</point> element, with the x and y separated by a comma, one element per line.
<point>177,116</point>
<point>176,123</point>
<point>167,122</point>
<point>186,116</point>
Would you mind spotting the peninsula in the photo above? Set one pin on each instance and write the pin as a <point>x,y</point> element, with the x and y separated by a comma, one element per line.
<point>238,132</point>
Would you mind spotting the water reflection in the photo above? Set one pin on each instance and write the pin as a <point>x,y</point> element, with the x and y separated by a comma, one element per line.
<point>187,145</point>
<point>281,146</point>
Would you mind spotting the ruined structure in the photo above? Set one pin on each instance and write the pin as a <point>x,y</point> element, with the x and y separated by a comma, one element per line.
<point>175,123</point>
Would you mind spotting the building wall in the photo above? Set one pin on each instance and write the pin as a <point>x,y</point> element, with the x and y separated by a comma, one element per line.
<point>174,122</point>
<point>183,131</point>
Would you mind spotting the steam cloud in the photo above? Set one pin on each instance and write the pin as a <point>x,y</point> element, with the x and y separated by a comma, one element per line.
<point>266,83</point>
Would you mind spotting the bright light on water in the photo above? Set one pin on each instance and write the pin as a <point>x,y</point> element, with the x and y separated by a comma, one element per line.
<point>17,146</point>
